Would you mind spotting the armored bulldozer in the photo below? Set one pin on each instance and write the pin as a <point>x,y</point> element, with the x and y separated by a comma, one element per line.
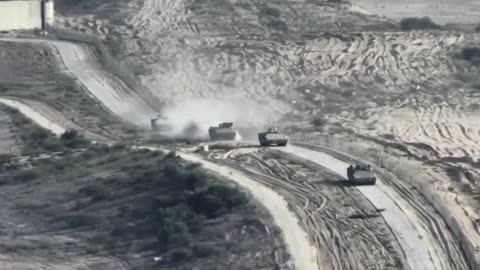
<point>361,175</point>
<point>224,131</point>
<point>271,137</point>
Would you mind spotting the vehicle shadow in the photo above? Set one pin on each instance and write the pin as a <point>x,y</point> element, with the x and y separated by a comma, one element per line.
<point>342,183</point>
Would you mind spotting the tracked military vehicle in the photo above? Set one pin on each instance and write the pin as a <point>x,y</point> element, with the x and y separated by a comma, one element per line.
<point>271,137</point>
<point>162,126</point>
<point>223,132</point>
<point>361,175</point>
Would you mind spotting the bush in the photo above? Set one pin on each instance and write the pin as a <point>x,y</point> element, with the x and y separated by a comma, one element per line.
<point>318,121</point>
<point>195,179</point>
<point>39,135</point>
<point>180,254</point>
<point>471,54</point>
<point>27,175</point>
<point>97,192</point>
<point>271,11</point>
<point>471,78</point>
<point>278,25</point>
<point>204,250</point>
<point>53,144</point>
<point>72,139</point>
<point>424,23</point>
<point>477,28</point>
<point>81,220</point>
<point>229,196</point>
<point>206,204</point>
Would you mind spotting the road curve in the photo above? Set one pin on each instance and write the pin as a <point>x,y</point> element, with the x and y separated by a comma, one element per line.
<point>81,62</point>
<point>83,65</point>
<point>304,254</point>
<point>419,251</point>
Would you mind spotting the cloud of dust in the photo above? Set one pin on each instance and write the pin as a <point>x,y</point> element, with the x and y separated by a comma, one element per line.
<point>207,112</point>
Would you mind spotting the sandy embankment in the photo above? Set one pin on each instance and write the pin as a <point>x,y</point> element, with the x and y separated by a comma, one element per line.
<point>34,115</point>
<point>298,245</point>
<point>420,252</point>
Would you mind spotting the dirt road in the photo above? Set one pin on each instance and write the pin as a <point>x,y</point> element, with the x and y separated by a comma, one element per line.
<point>299,246</point>
<point>341,223</point>
<point>422,250</point>
<point>75,59</point>
<point>33,114</point>
<point>81,62</point>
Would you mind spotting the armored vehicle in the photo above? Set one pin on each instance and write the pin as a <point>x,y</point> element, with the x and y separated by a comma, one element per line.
<point>361,175</point>
<point>223,131</point>
<point>271,137</point>
<point>159,127</point>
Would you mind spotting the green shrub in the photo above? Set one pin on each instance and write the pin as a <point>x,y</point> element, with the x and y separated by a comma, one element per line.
<point>477,28</point>
<point>318,121</point>
<point>39,135</point>
<point>81,220</point>
<point>471,78</point>
<point>230,196</point>
<point>180,254</point>
<point>53,144</point>
<point>72,139</point>
<point>278,25</point>
<point>424,23</point>
<point>27,175</point>
<point>271,11</point>
<point>195,178</point>
<point>96,192</point>
<point>471,54</point>
<point>204,250</point>
<point>206,204</point>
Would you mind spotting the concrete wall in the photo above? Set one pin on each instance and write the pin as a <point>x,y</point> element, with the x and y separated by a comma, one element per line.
<point>16,15</point>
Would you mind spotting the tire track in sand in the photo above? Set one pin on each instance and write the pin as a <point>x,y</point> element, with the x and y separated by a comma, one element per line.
<point>341,224</point>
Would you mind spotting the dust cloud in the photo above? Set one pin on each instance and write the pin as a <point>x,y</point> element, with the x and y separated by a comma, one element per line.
<point>193,117</point>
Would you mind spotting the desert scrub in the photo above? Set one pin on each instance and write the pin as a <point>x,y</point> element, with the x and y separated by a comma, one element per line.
<point>37,140</point>
<point>318,122</point>
<point>159,201</point>
<point>271,11</point>
<point>471,54</point>
<point>414,23</point>
<point>471,78</point>
<point>278,25</point>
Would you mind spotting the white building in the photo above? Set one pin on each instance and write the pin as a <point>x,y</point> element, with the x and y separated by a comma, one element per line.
<point>26,14</point>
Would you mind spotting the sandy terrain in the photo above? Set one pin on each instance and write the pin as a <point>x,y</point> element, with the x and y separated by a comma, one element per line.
<point>304,255</point>
<point>411,246</point>
<point>41,78</point>
<point>244,60</point>
<point>445,11</point>
<point>81,61</point>
<point>298,245</point>
<point>347,230</point>
<point>423,248</point>
<point>448,131</point>
<point>34,115</point>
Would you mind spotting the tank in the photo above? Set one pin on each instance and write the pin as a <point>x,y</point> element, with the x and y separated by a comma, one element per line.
<point>224,131</point>
<point>361,175</point>
<point>49,10</point>
<point>271,137</point>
